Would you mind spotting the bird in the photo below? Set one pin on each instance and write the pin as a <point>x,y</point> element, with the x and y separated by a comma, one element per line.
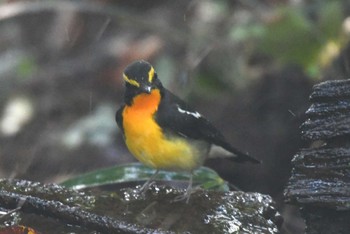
<point>162,131</point>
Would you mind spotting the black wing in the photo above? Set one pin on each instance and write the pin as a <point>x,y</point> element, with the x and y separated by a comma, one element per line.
<point>175,116</point>
<point>119,118</point>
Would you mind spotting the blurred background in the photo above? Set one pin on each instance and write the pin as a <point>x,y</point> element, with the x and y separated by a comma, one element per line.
<point>248,65</point>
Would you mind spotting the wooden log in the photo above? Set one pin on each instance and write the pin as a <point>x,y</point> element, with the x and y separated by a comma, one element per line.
<point>320,179</point>
<point>128,211</point>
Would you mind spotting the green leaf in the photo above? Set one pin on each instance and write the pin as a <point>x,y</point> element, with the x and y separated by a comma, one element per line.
<point>135,172</point>
<point>291,38</point>
<point>26,67</point>
<point>331,19</point>
<point>247,31</point>
<point>311,42</point>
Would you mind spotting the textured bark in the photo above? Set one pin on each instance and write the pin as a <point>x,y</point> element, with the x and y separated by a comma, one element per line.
<point>320,179</point>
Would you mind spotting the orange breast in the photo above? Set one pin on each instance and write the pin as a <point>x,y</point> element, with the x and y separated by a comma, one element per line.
<point>146,141</point>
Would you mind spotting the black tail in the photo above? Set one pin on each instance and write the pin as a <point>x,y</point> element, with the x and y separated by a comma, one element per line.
<point>239,156</point>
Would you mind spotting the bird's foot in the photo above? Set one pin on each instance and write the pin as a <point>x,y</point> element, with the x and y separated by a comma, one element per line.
<point>145,187</point>
<point>148,183</point>
<point>186,196</point>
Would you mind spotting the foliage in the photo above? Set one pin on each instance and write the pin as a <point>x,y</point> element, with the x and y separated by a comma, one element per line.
<point>292,35</point>
<point>136,172</point>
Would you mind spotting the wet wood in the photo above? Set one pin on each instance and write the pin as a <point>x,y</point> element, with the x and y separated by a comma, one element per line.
<point>39,199</point>
<point>320,179</point>
<point>128,211</point>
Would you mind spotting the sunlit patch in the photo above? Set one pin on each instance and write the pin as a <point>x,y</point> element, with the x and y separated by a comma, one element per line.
<point>95,129</point>
<point>151,74</point>
<point>132,82</point>
<point>329,52</point>
<point>346,25</point>
<point>18,112</point>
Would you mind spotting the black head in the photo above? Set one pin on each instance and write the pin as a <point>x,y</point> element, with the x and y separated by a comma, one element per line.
<point>140,77</point>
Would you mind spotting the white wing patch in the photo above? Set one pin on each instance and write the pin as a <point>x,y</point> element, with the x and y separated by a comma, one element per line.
<point>194,114</point>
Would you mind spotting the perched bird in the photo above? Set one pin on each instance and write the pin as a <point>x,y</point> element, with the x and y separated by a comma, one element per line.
<point>162,131</point>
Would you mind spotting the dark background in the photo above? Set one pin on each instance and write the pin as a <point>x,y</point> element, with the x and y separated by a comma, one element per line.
<point>248,66</point>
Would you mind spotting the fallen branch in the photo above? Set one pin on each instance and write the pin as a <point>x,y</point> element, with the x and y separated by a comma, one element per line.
<point>69,214</point>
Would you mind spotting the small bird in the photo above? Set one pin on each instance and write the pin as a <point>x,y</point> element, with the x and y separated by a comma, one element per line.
<point>162,131</point>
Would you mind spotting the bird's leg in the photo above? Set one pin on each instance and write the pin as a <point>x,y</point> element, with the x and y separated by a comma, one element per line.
<point>186,196</point>
<point>148,183</point>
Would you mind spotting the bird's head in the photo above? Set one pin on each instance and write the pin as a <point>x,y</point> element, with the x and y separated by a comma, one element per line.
<point>140,77</point>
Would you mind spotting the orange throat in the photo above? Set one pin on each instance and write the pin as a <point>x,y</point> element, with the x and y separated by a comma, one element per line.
<point>143,104</point>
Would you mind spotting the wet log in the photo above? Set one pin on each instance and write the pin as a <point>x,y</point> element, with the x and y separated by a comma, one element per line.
<point>320,179</point>
<point>53,201</point>
<point>127,211</point>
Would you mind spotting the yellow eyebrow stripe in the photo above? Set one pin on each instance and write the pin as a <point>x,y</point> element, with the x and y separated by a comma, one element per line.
<point>132,82</point>
<point>151,75</point>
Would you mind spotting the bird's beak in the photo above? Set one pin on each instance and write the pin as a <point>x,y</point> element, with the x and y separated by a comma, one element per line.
<point>146,88</point>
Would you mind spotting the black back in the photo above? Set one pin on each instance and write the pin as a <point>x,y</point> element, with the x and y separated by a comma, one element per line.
<point>189,123</point>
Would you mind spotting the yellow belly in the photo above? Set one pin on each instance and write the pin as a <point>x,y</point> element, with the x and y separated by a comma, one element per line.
<point>151,148</point>
<point>147,143</point>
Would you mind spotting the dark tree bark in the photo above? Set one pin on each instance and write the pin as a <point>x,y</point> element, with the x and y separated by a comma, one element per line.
<point>320,180</point>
